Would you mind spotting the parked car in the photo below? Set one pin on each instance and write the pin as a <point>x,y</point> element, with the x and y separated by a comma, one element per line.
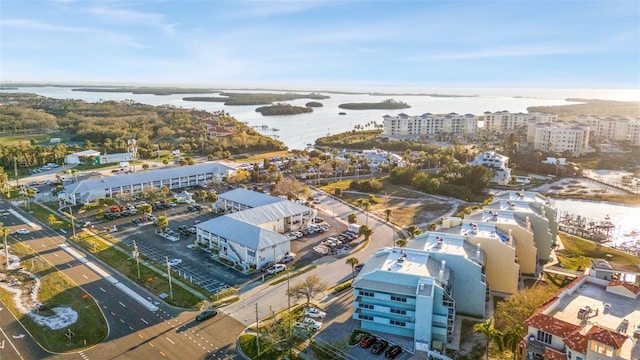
<point>22,231</point>
<point>207,314</point>
<point>393,352</point>
<point>358,267</point>
<point>287,258</point>
<point>276,269</point>
<point>368,341</point>
<point>379,346</point>
<point>174,262</point>
<point>315,325</point>
<point>266,266</point>
<point>314,313</point>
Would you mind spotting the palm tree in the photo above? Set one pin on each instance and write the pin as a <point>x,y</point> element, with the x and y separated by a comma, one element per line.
<point>353,261</point>
<point>486,328</point>
<point>387,213</point>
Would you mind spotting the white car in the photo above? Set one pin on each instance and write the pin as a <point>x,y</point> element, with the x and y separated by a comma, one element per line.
<point>22,231</point>
<point>276,269</point>
<point>315,325</point>
<point>314,313</point>
<point>174,262</point>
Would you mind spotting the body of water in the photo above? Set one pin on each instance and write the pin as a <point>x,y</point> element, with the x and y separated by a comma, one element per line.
<point>624,217</point>
<point>296,131</point>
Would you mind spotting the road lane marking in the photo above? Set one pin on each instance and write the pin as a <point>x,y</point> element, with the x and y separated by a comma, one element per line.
<point>144,321</point>
<point>119,302</point>
<point>171,341</point>
<point>130,328</point>
<point>112,313</point>
<point>10,343</point>
<point>141,337</point>
<point>161,353</point>
<point>55,254</point>
<point>103,290</point>
<point>122,321</point>
<point>85,276</point>
<point>152,345</point>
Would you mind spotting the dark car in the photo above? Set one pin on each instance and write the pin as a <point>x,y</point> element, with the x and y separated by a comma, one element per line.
<point>358,267</point>
<point>379,346</point>
<point>367,341</point>
<point>207,314</point>
<point>393,352</point>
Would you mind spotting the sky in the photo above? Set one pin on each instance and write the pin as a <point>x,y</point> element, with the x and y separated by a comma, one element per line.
<point>307,43</point>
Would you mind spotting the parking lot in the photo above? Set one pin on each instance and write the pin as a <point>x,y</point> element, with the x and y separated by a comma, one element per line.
<point>338,325</point>
<point>197,266</point>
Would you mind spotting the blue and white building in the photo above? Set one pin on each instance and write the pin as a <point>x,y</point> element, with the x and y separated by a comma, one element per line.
<point>417,293</point>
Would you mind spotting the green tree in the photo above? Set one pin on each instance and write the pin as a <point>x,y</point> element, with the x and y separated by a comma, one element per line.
<point>165,191</point>
<point>401,242</point>
<point>514,310</point>
<point>309,288</point>
<point>365,231</point>
<point>52,219</point>
<point>163,223</point>
<point>352,218</point>
<point>211,197</point>
<point>145,166</point>
<point>353,261</point>
<point>387,213</point>
<point>413,230</point>
<point>145,209</point>
<point>486,328</point>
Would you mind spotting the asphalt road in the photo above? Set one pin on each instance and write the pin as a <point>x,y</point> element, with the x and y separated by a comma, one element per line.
<point>331,269</point>
<point>134,330</point>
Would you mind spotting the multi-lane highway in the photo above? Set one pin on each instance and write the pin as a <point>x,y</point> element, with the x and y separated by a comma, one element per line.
<point>141,327</point>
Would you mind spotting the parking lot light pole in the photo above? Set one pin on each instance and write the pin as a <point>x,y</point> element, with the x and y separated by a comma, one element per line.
<point>73,225</point>
<point>169,274</point>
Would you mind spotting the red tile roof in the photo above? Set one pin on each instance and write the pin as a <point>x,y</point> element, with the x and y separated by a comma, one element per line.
<point>606,336</point>
<point>551,325</point>
<point>551,354</point>
<point>631,287</point>
<point>577,342</point>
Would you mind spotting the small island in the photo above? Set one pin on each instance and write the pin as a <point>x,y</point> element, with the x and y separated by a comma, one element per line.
<point>147,90</point>
<point>388,104</point>
<point>230,98</point>
<point>283,109</point>
<point>313,104</point>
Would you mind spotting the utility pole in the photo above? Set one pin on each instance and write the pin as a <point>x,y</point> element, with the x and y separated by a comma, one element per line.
<point>73,225</point>
<point>5,233</point>
<point>289,308</point>
<point>137,255</point>
<point>15,169</point>
<point>169,274</point>
<point>257,331</point>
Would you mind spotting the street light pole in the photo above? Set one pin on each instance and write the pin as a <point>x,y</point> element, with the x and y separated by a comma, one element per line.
<point>73,225</point>
<point>289,307</point>
<point>5,233</point>
<point>169,274</point>
<point>137,255</point>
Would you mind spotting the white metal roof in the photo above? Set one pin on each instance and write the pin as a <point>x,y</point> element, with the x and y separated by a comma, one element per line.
<point>238,231</point>
<point>249,198</point>
<point>270,212</point>
<point>146,177</point>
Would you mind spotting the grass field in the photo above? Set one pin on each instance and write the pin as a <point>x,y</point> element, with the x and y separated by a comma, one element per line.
<point>579,252</point>
<point>57,290</point>
<point>26,139</point>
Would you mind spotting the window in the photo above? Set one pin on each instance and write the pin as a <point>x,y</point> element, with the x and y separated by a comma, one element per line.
<point>365,293</point>
<point>398,298</point>
<point>398,323</point>
<point>399,311</point>
<point>365,306</point>
<point>365,317</point>
<point>544,337</point>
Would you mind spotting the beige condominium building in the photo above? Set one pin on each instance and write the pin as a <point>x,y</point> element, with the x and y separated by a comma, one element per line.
<point>505,122</point>
<point>406,126</point>
<point>536,212</point>
<point>614,128</point>
<point>559,137</point>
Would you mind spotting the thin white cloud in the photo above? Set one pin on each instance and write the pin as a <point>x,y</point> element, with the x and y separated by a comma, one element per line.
<point>502,52</point>
<point>254,8</point>
<point>124,16</point>
<point>96,34</point>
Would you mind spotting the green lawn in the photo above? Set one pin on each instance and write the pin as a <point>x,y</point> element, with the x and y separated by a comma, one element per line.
<point>26,139</point>
<point>57,290</point>
<point>578,253</point>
